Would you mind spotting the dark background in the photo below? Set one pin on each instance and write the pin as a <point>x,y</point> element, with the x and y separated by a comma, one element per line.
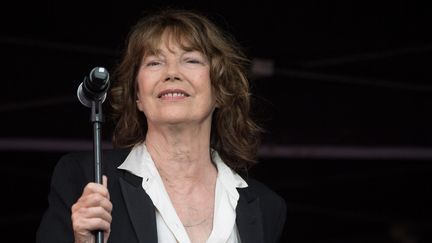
<point>346,106</point>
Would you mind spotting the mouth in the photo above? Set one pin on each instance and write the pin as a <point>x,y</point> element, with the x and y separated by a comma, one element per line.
<point>172,93</point>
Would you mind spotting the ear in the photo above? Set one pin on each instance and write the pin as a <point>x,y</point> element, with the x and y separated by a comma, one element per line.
<point>139,104</point>
<point>215,99</point>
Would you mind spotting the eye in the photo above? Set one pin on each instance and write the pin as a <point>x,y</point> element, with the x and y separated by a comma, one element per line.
<point>152,63</point>
<point>193,61</point>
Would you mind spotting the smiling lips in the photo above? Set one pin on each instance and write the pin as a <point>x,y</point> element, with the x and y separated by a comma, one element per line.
<point>173,94</point>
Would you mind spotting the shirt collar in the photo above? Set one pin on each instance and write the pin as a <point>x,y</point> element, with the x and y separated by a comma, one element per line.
<point>229,179</point>
<point>140,163</point>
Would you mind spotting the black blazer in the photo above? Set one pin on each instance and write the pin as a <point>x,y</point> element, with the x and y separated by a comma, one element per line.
<point>260,212</point>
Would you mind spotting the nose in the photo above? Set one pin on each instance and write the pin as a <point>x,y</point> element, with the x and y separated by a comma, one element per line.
<point>172,78</point>
<point>172,73</point>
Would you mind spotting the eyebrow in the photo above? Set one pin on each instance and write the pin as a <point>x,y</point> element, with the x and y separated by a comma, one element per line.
<point>159,52</point>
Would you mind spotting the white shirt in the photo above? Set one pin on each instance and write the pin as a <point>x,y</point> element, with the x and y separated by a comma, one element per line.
<point>169,227</point>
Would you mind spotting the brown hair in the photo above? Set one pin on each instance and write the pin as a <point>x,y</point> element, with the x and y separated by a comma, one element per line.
<point>234,134</point>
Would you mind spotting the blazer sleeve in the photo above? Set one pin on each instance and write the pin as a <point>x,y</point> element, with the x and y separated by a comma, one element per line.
<point>280,225</point>
<point>274,214</point>
<point>67,183</point>
<point>273,209</point>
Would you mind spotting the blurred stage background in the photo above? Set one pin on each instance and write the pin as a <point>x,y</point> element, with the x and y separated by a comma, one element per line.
<point>343,89</point>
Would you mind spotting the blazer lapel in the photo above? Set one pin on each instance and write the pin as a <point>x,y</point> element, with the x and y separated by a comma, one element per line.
<point>248,219</point>
<point>140,208</point>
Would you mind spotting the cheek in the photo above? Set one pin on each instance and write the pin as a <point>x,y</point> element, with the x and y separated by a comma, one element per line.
<point>211,96</point>
<point>144,83</point>
<point>204,80</point>
<point>140,86</point>
<point>139,102</point>
<point>148,79</point>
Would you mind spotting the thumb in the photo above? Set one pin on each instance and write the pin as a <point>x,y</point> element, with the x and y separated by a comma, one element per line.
<point>105,183</point>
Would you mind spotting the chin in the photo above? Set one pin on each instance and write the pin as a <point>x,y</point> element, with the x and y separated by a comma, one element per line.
<point>172,119</point>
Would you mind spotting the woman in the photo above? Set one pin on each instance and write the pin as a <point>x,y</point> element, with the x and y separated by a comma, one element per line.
<point>181,104</point>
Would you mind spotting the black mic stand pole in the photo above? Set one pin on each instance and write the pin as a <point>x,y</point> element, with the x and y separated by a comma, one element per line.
<point>97,120</point>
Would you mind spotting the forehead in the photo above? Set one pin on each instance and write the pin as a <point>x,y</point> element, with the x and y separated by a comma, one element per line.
<point>172,41</point>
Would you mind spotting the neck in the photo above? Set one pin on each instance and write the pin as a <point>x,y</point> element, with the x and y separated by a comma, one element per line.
<point>181,154</point>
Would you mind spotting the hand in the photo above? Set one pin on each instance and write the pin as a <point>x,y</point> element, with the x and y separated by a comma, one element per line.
<point>92,212</point>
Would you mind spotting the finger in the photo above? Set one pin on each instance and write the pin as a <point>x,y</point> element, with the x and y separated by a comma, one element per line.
<point>92,200</point>
<point>93,212</point>
<point>90,224</point>
<point>94,203</point>
<point>92,187</point>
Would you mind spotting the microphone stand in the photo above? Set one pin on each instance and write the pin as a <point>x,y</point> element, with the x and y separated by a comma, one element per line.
<point>91,93</point>
<point>97,120</point>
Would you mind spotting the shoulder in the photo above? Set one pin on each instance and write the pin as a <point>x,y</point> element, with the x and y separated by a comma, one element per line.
<point>75,169</point>
<point>83,161</point>
<point>270,201</point>
<point>261,190</point>
<point>112,155</point>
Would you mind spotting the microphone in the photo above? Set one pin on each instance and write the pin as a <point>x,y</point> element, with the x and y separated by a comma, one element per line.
<point>94,87</point>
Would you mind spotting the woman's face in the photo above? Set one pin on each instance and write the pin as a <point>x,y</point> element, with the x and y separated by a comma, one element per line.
<point>174,87</point>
